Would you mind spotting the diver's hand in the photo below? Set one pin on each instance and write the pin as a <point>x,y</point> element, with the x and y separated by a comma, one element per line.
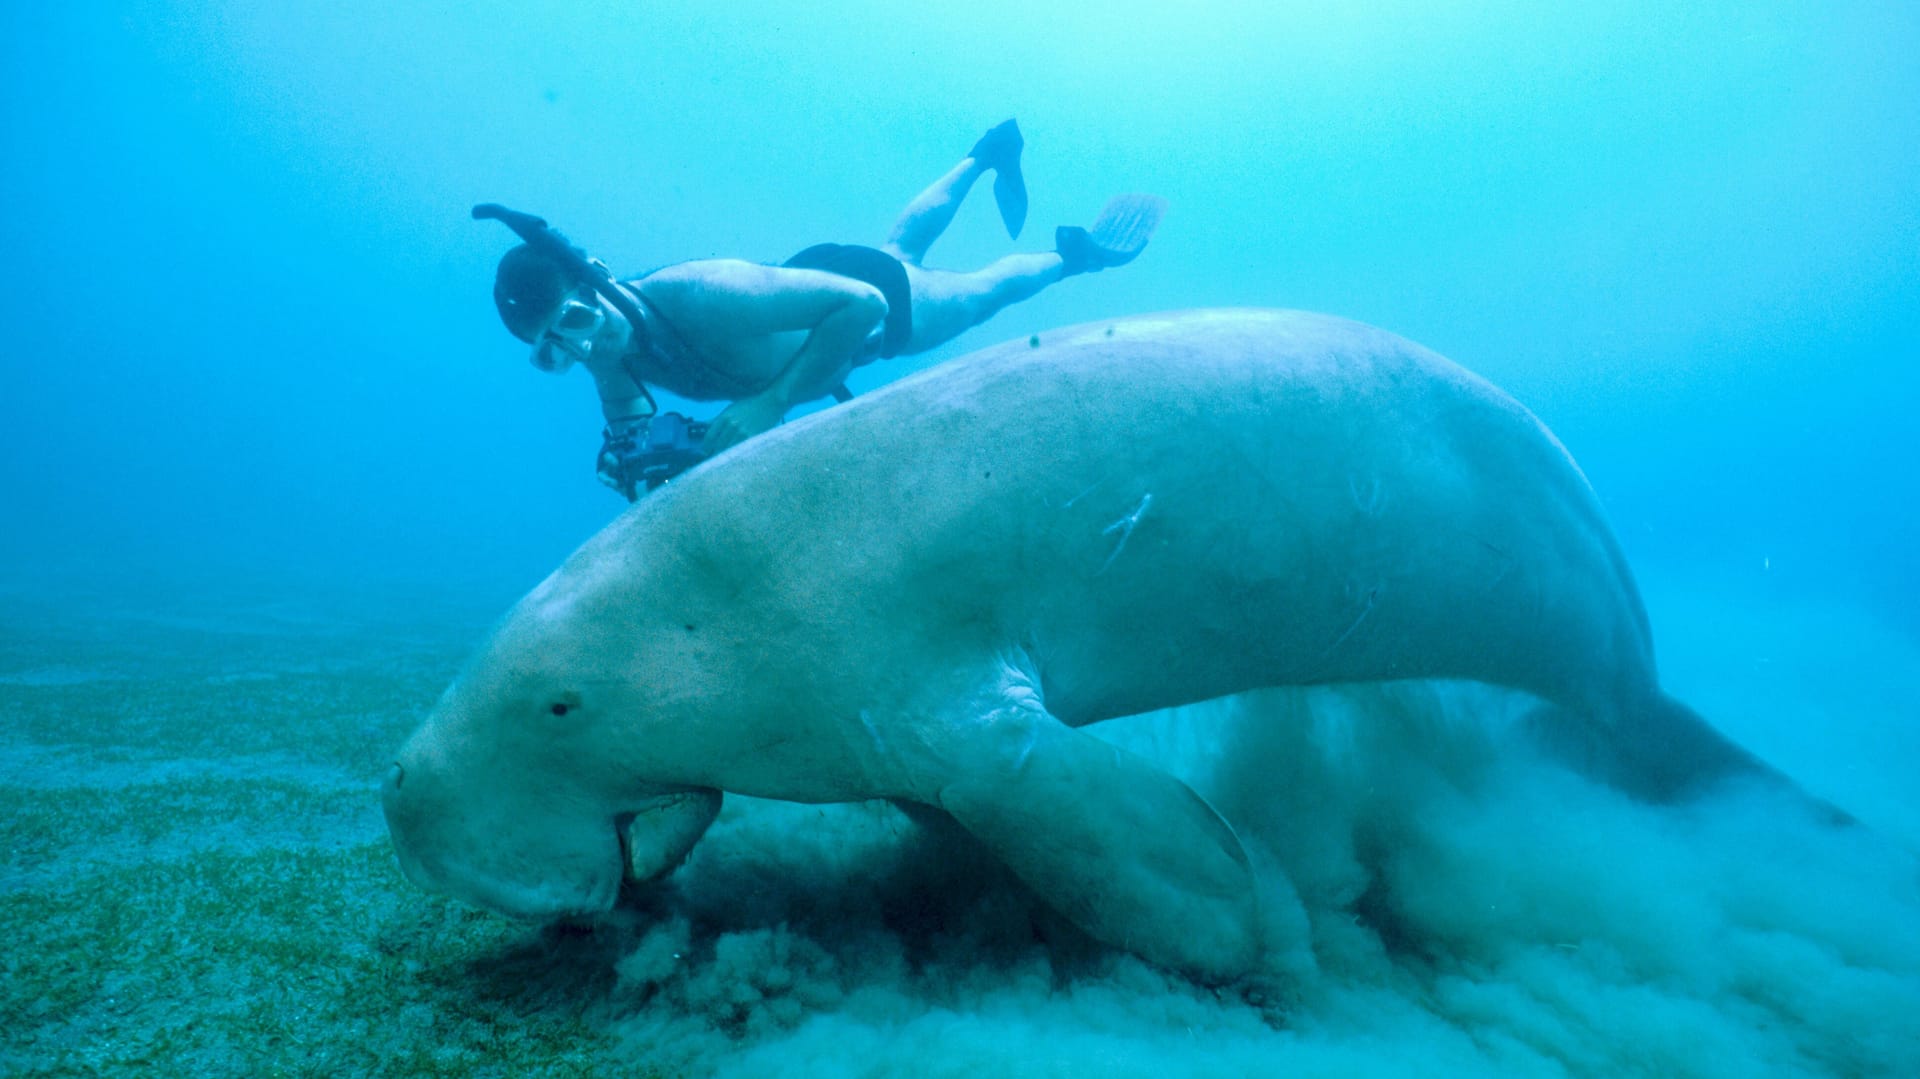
<point>620,446</point>
<point>742,420</point>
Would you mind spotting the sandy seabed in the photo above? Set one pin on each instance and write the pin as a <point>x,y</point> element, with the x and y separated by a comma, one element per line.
<point>197,882</point>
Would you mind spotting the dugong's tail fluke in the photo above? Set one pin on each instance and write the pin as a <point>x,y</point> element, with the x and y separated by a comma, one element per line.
<point>1669,753</point>
<point>1664,753</point>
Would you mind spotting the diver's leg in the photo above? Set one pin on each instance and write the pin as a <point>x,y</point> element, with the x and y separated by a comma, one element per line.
<point>929,214</point>
<point>946,304</point>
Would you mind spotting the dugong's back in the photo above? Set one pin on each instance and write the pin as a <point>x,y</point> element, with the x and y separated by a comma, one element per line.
<point>1169,508</point>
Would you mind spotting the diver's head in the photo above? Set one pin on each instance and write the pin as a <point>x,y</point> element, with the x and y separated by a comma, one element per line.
<point>527,287</point>
<point>541,304</point>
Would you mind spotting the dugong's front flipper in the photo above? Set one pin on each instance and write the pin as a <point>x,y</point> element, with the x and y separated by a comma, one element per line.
<point>1129,853</point>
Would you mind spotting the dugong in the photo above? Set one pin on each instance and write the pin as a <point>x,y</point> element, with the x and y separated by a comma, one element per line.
<point>922,595</point>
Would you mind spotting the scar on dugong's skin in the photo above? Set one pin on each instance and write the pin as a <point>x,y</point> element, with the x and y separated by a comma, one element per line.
<point>921,595</point>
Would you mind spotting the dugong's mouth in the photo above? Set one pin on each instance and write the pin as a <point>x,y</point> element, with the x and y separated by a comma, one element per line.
<point>541,868</point>
<point>658,836</point>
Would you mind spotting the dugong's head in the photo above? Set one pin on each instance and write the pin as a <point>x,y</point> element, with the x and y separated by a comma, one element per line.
<point>531,789</point>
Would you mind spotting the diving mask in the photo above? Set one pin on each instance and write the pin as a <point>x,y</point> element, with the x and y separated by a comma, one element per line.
<point>569,338</point>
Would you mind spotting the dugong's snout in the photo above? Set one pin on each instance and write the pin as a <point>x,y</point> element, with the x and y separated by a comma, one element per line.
<point>528,866</point>
<point>394,807</point>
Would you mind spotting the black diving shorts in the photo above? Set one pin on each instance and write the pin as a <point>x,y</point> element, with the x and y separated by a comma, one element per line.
<point>876,268</point>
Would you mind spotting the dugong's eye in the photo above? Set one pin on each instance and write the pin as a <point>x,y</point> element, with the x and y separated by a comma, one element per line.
<point>558,709</point>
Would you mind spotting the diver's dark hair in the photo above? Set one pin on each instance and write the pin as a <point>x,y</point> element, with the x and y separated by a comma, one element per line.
<point>527,287</point>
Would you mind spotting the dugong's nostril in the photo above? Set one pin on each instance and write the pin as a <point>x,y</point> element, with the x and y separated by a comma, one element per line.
<point>390,794</point>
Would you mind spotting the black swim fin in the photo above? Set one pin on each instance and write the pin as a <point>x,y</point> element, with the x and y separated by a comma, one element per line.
<point>1116,238</point>
<point>999,150</point>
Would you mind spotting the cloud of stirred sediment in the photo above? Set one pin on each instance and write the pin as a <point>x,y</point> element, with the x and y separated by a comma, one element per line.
<point>1447,904</point>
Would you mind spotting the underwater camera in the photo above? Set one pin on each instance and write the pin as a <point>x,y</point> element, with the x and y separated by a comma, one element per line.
<point>668,445</point>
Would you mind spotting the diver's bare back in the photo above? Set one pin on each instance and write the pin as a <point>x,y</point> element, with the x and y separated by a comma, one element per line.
<point>738,323</point>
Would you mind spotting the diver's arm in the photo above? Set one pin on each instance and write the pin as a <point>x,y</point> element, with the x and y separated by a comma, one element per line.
<point>821,363</point>
<point>627,409</point>
<point>724,298</point>
<point>834,339</point>
<point>621,398</point>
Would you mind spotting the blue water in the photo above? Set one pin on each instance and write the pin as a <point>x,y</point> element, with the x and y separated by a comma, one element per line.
<point>249,332</point>
<point>250,325</point>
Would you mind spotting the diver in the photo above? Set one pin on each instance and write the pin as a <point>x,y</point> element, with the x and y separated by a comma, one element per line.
<point>766,338</point>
